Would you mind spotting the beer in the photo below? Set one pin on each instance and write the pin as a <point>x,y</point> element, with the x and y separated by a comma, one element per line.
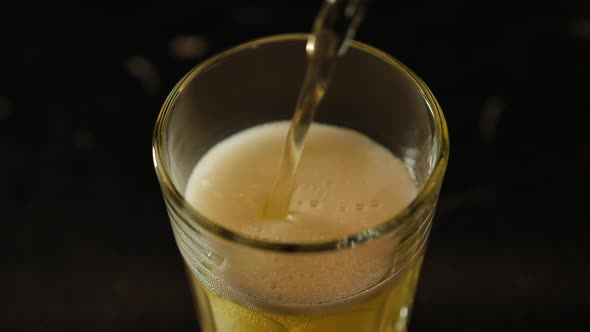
<point>333,29</point>
<point>345,183</point>
<point>387,311</point>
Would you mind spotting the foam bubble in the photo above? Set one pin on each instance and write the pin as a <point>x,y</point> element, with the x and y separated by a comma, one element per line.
<point>359,206</point>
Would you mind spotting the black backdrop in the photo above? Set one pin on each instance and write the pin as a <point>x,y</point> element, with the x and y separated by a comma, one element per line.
<point>84,239</point>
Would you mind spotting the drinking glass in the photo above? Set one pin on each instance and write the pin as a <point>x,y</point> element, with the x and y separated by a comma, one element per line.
<point>350,289</point>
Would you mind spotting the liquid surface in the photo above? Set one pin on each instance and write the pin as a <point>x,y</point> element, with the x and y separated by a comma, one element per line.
<point>345,183</point>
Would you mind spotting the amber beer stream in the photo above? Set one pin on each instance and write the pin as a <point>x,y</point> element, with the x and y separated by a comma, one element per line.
<point>347,255</point>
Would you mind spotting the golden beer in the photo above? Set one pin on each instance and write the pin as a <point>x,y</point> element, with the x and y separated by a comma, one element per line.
<point>387,310</point>
<point>349,255</point>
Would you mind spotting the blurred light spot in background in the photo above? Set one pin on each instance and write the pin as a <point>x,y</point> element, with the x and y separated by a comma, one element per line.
<point>83,140</point>
<point>490,116</point>
<point>188,47</point>
<point>581,28</point>
<point>5,107</point>
<point>143,69</point>
<point>252,15</point>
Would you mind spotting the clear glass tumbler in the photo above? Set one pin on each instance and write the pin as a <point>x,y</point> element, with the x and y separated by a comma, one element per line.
<point>258,82</point>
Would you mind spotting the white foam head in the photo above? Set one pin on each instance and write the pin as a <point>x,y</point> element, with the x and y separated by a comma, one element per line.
<point>346,183</point>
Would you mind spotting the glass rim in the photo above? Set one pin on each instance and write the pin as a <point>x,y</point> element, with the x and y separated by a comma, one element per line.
<point>189,215</point>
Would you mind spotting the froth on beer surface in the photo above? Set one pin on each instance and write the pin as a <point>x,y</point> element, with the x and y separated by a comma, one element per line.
<point>346,183</point>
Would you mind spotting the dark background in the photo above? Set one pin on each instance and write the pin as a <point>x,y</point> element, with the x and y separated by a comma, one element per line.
<point>85,243</point>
